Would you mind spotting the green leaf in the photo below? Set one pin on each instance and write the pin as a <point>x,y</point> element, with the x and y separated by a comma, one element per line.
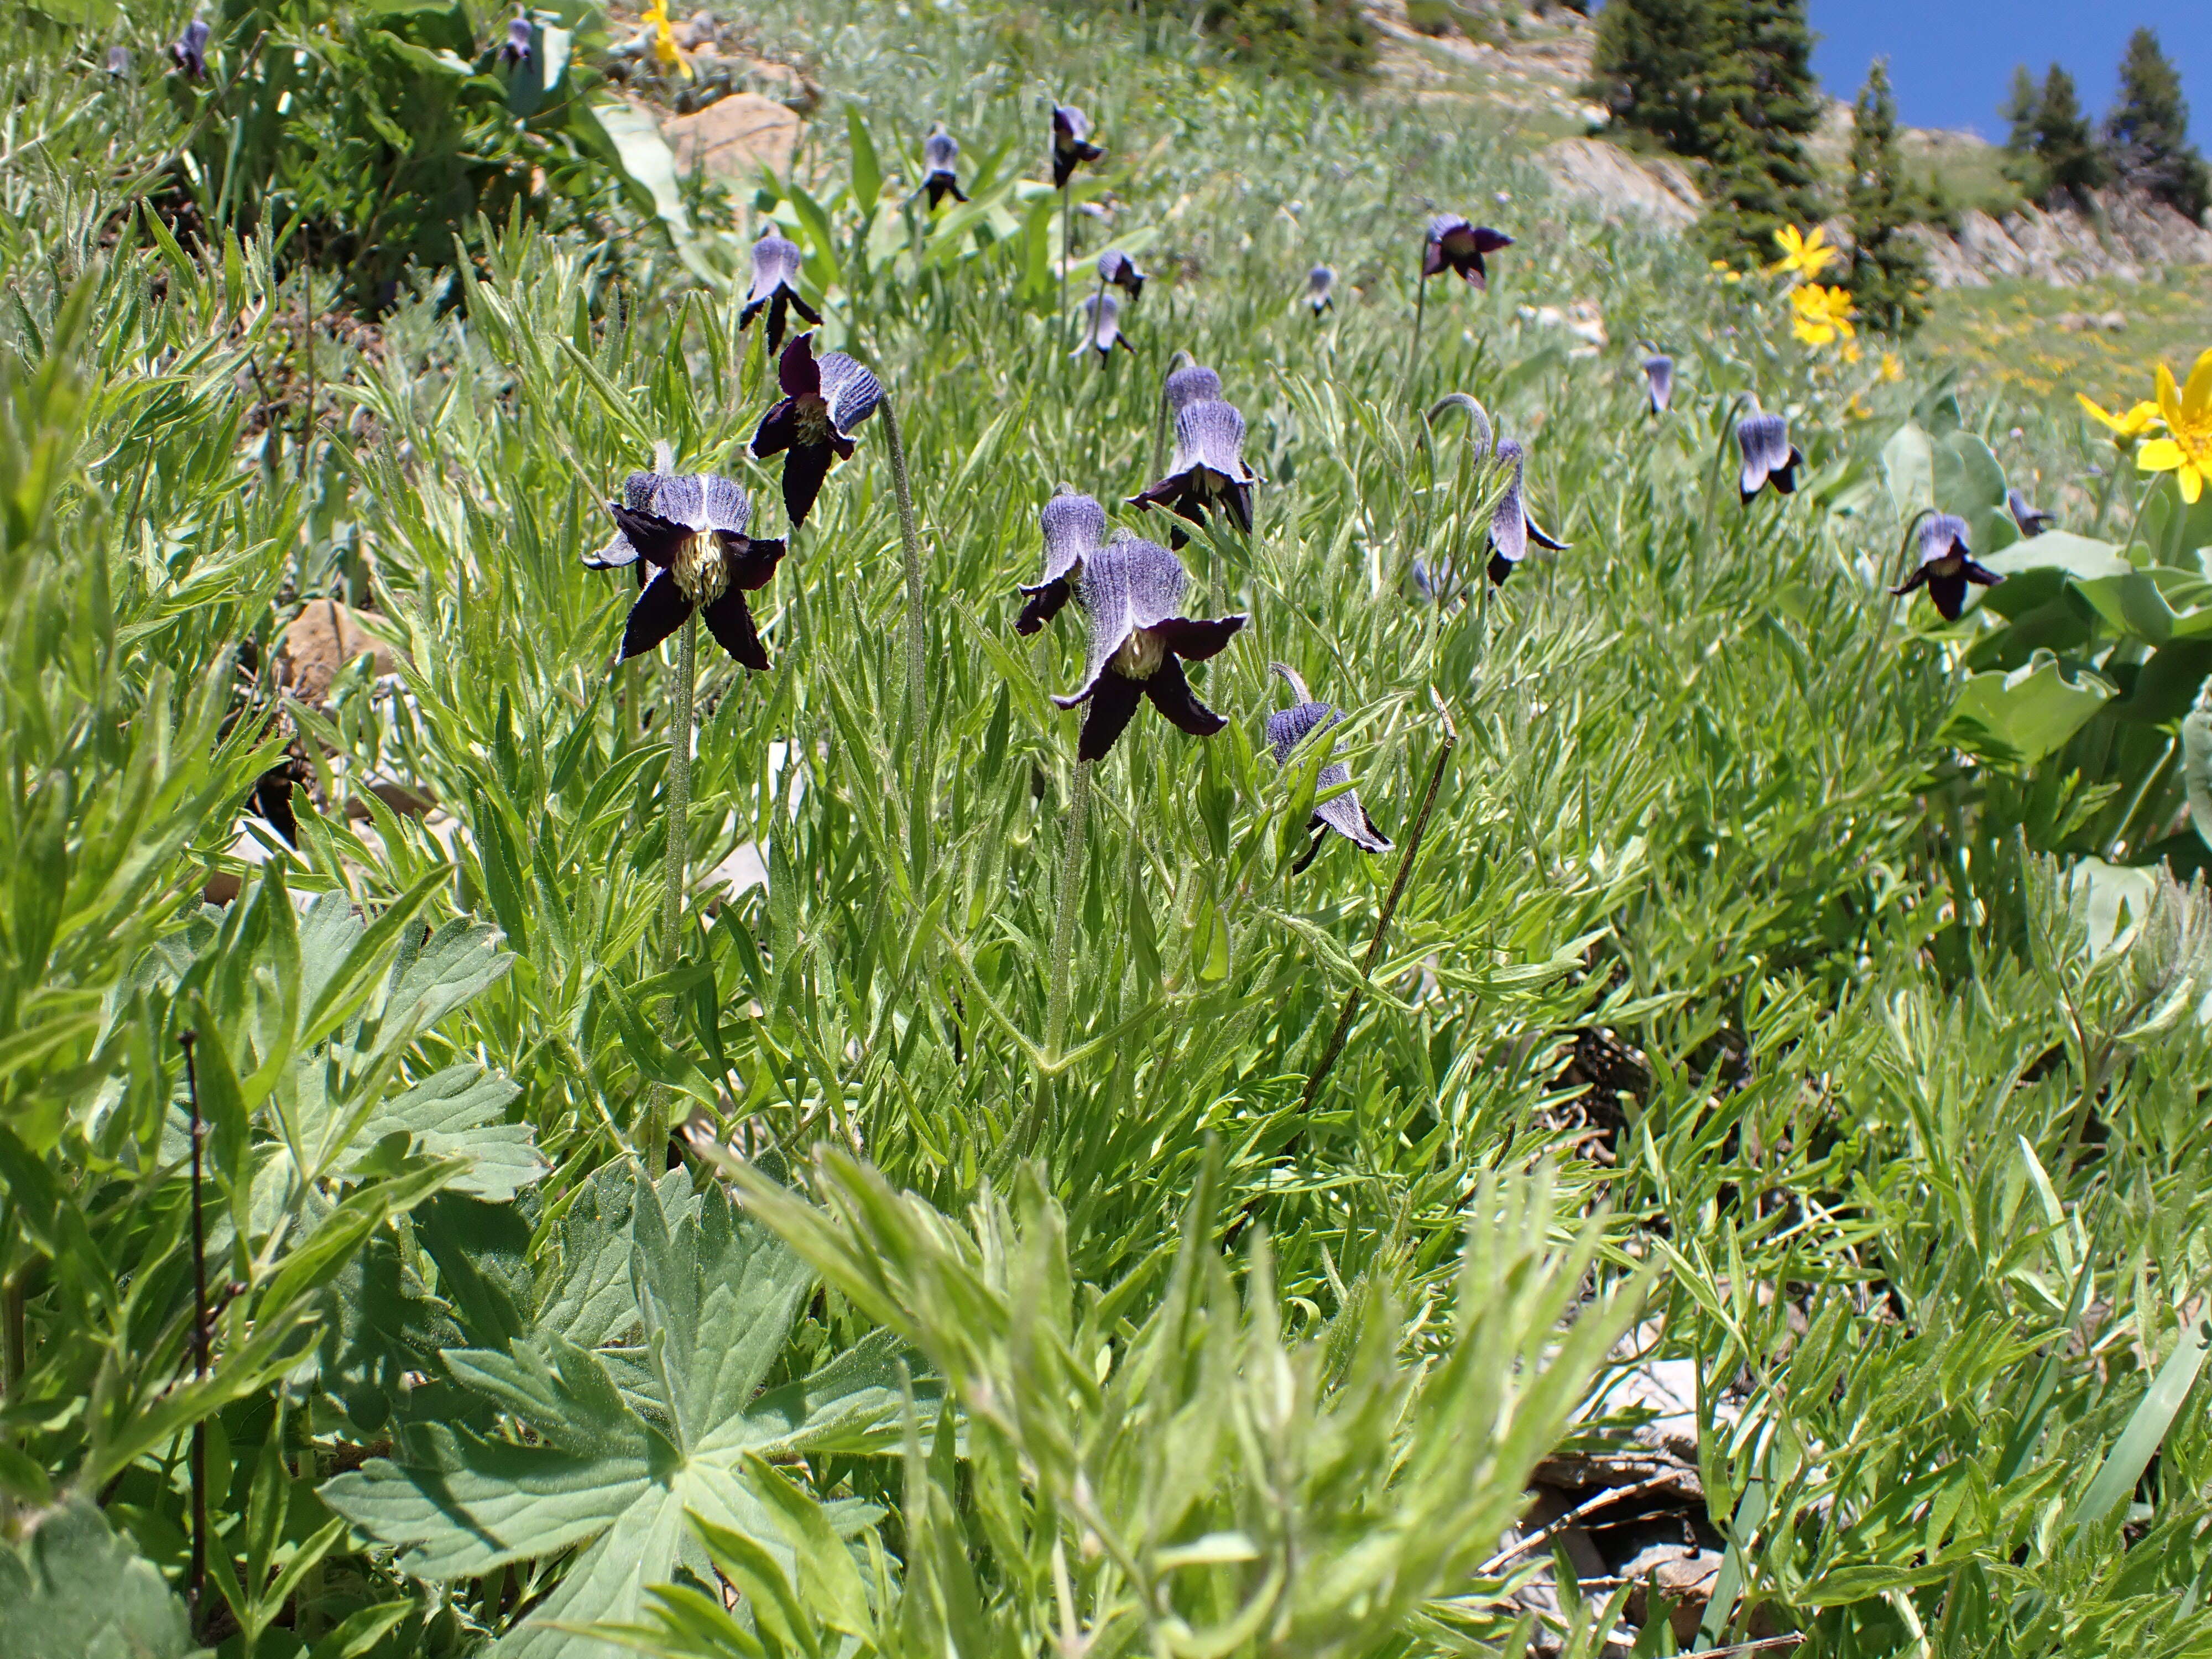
<point>73,1587</point>
<point>2197,771</point>
<point>1908,463</point>
<point>2019,717</point>
<point>1967,478</point>
<point>868,171</point>
<point>2116,1478</point>
<point>460,1112</point>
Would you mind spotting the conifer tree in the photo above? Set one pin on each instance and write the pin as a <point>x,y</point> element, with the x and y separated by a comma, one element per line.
<point>2065,154</point>
<point>1889,272</point>
<point>2146,137</point>
<point>1765,103</point>
<point>2019,112</point>
<point>1651,67</point>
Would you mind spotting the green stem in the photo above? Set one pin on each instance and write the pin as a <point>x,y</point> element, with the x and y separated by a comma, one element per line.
<point>917,641</point>
<point>1066,253</point>
<point>675,861</point>
<point>1063,921</point>
<point>1413,345</point>
<point>1180,360</point>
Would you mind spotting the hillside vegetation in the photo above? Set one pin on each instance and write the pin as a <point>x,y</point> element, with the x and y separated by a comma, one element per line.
<point>481,1175</point>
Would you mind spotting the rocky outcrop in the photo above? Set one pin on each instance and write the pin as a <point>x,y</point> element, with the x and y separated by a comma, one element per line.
<point>1658,189</point>
<point>2123,235</point>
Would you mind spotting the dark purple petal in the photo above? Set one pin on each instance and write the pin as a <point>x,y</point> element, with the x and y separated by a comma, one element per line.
<point>1114,701</point>
<point>1498,569</point>
<point>657,539</point>
<point>1949,593</point>
<point>517,49</point>
<point>1127,584</point>
<point>1102,326</point>
<point>1659,378</point>
<point>938,185</point>
<point>776,260</point>
<point>1196,639</point>
<point>1046,601</point>
<point>1918,579</point>
<point>1288,728</point>
<point>1943,537</point>
<point>1980,575</point>
<point>778,430</point>
<point>2031,520</point>
<point>796,370</point>
<point>1171,695</point>
<point>940,151</point>
<point>1345,814</point>
<point>189,51</point>
<point>730,620</point>
<point>659,612</point>
<point>752,563</point>
<point>804,469</point>
<point>1488,241</point>
<point>1784,476</point>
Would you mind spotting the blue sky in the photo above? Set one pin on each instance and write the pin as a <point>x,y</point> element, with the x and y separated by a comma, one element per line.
<point>1951,60</point>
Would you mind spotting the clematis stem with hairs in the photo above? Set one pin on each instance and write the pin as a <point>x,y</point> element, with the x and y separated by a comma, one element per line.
<point>917,657</point>
<point>1063,920</point>
<point>676,860</point>
<point>1413,345</point>
<point>1180,360</point>
<point>1066,253</point>
<point>195,1574</point>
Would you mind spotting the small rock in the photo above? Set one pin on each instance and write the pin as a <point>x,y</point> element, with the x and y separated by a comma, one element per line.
<point>321,640</point>
<point>1684,1576</point>
<point>737,875</point>
<point>732,137</point>
<point>1658,190</point>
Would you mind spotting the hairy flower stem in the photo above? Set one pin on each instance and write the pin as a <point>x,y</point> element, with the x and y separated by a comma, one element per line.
<point>195,1574</point>
<point>1063,920</point>
<point>917,654</point>
<point>1180,360</point>
<point>675,861</point>
<point>1321,1072</point>
<point>1413,345</point>
<point>1067,254</point>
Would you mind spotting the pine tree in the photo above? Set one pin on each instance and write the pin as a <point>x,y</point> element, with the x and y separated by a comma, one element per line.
<point>2065,154</point>
<point>1764,104</point>
<point>1651,67</point>
<point>1889,272</point>
<point>2020,110</point>
<point>2146,138</point>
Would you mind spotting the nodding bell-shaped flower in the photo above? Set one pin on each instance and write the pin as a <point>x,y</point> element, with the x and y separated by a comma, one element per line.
<point>1659,381</point>
<point>1947,565</point>
<point>1310,721</point>
<point>1120,271</point>
<point>1769,457</point>
<point>1074,528</point>
<point>2031,520</point>
<point>776,260</point>
<point>188,51</point>
<point>685,533</point>
<point>941,161</point>
<point>1192,384</point>
<point>118,62</point>
<point>1208,469</point>
<point>1511,527</point>
<point>516,49</point>
<point>1321,285</point>
<point>823,402</point>
<point>1071,143</point>
<point>1102,327</point>
<point>1453,244</point>
<point>1131,592</point>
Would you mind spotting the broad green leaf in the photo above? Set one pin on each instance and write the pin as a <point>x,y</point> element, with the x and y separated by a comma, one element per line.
<point>2017,718</point>
<point>460,1112</point>
<point>71,1586</point>
<point>1967,479</point>
<point>2146,1430</point>
<point>1908,463</point>
<point>2197,771</point>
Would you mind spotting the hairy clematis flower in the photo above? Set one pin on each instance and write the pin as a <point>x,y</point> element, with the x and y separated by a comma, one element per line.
<point>2031,520</point>
<point>188,51</point>
<point>1453,244</point>
<point>1286,729</point>
<point>941,161</point>
<point>1131,592</point>
<point>823,402</point>
<point>1659,381</point>
<point>687,533</point>
<point>1193,384</point>
<point>118,62</point>
<point>1769,457</point>
<point>1102,327</point>
<point>776,260</point>
<point>1074,529</point>
<point>1511,528</point>
<point>1207,468</point>
<point>1947,565</point>
<point>1321,281</point>
<point>1120,271</point>
<point>1071,143</point>
<point>516,50</point>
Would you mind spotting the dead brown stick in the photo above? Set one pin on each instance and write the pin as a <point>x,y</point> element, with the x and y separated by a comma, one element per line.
<point>1557,1525</point>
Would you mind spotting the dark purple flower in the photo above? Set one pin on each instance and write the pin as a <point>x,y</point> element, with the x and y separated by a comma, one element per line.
<point>1659,382</point>
<point>1454,245</point>
<point>1074,528</point>
<point>1192,384</point>
<point>1071,143</point>
<point>1289,727</point>
<point>188,51</point>
<point>1208,469</point>
<point>1131,592</point>
<point>776,260</point>
<point>1947,565</point>
<point>1321,283</point>
<point>1120,271</point>
<point>1769,457</point>
<point>516,51</point>
<point>2031,520</point>
<point>119,61</point>
<point>823,402</point>
<point>1102,327</point>
<point>687,533</point>
<point>1511,528</point>
<point>941,161</point>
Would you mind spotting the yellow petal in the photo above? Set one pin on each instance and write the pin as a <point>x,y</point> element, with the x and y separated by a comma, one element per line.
<point>2169,397</point>
<point>2192,485</point>
<point>2196,397</point>
<point>2160,455</point>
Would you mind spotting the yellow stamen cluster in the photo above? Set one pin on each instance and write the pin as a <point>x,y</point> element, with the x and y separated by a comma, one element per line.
<point>701,574</point>
<point>1140,655</point>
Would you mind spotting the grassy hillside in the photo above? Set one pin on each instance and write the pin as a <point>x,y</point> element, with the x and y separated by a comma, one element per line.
<point>1729,1172</point>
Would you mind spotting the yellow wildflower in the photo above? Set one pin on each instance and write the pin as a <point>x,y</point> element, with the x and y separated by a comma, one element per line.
<point>2127,428</point>
<point>2186,450</point>
<point>1807,257</point>
<point>665,49</point>
<point>1892,368</point>
<point>1820,313</point>
<point>1852,354</point>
